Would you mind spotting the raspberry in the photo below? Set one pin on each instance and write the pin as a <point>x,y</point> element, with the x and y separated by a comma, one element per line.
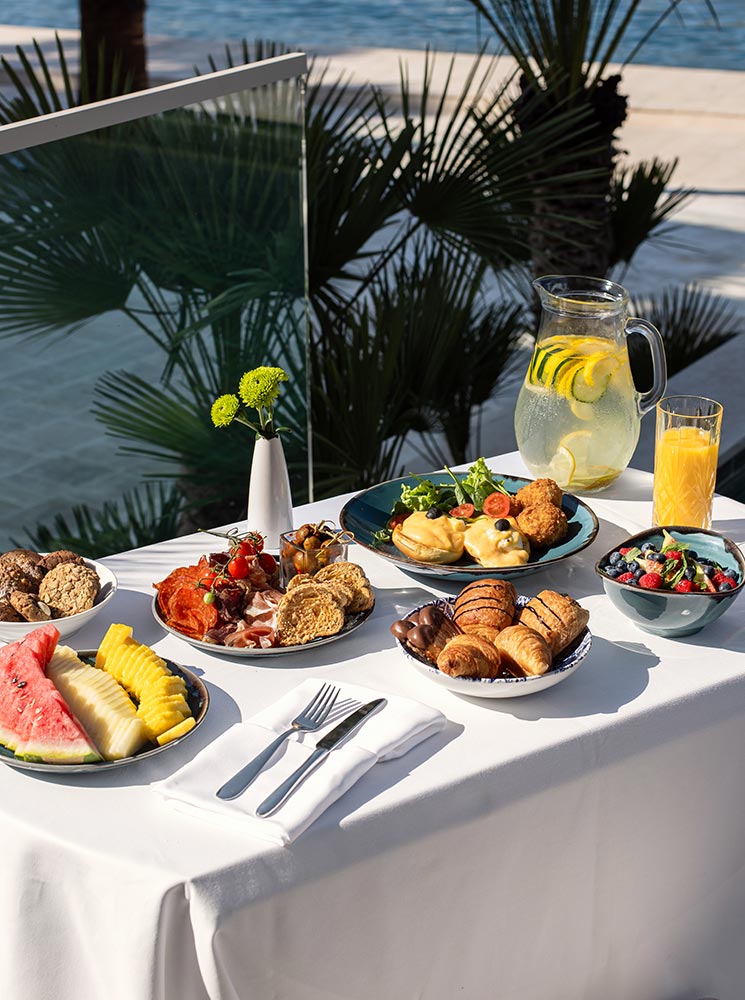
<point>674,554</point>
<point>683,586</point>
<point>625,577</point>
<point>624,551</point>
<point>721,577</point>
<point>726,579</point>
<point>651,581</point>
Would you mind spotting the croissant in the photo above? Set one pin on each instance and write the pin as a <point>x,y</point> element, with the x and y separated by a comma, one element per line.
<point>557,617</point>
<point>485,602</point>
<point>523,651</point>
<point>469,656</point>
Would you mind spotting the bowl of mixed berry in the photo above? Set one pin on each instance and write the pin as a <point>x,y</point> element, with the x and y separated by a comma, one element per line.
<point>673,581</point>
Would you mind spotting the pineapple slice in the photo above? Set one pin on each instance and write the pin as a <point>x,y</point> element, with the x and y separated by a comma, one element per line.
<point>176,731</point>
<point>161,696</point>
<point>101,705</point>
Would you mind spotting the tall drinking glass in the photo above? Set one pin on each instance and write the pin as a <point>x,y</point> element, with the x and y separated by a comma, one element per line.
<point>685,460</point>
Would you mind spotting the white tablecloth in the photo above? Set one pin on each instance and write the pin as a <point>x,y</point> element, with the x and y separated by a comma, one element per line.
<point>587,842</point>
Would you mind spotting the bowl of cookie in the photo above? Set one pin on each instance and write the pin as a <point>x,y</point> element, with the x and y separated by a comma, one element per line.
<point>61,586</point>
<point>491,642</point>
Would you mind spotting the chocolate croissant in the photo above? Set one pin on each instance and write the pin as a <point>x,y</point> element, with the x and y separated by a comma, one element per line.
<point>469,656</point>
<point>485,602</point>
<point>523,651</point>
<point>557,617</point>
<point>426,632</point>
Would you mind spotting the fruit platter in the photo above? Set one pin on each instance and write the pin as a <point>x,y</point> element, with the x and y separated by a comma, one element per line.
<point>231,602</point>
<point>491,642</point>
<point>63,711</point>
<point>463,526</point>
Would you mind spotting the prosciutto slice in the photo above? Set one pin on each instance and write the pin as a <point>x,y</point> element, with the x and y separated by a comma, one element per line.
<point>252,636</point>
<point>262,607</point>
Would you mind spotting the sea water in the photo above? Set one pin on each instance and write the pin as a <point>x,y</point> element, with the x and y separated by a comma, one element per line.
<point>688,37</point>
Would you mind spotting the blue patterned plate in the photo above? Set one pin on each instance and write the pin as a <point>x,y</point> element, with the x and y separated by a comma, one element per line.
<point>563,666</point>
<point>370,511</point>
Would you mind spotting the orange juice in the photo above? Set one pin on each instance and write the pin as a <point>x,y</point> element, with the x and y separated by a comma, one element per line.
<point>685,471</point>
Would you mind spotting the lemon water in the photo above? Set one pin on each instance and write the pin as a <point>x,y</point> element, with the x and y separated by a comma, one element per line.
<point>576,418</point>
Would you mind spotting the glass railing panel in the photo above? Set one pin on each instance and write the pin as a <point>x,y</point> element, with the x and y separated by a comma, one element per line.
<point>144,266</point>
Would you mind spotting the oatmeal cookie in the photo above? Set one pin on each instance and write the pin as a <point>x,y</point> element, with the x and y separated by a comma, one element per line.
<point>29,607</point>
<point>69,588</point>
<point>29,562</point>
<point>52,559</point>
<point>14,577</point>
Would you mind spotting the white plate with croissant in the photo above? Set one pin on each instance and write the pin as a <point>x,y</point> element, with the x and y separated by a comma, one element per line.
<point>489,642</point>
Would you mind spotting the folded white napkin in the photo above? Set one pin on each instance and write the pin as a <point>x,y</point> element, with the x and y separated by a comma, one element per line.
<point>389,732</point>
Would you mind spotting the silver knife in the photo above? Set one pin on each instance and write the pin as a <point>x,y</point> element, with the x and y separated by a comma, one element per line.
<point>323,748</point>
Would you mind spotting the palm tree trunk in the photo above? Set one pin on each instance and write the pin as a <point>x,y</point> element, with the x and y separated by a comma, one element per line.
<point>112,48</point>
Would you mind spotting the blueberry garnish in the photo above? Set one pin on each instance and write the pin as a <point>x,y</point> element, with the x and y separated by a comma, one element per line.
<point>692,554</point>
<point>612,572</point>
<point>707,569</point>
<point>434,512</point>
<point>639,573</point>
<point>615,557</point>
<point>690,573</point>
<point>502,524</point>
<point>723,587</point>
<point>647,546</point>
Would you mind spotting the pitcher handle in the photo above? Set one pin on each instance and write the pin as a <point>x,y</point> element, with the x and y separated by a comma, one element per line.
<point>659,366</point>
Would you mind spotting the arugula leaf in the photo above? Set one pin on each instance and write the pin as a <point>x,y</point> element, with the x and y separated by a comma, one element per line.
<point>461,496</point>
<point>480,483</point>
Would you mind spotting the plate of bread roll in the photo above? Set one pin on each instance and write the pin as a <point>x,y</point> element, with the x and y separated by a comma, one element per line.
<point>491,642</point>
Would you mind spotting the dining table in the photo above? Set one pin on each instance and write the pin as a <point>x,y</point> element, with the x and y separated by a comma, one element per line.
<point>584,843</point>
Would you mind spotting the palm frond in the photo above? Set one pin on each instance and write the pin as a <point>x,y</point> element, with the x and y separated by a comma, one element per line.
<point>692,321</point>
<point>639,205</point>
<point>151,513</point>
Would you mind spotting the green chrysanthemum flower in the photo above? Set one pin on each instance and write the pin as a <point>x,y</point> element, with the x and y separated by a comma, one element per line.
<point>224,410</point>
<point>260,387</point>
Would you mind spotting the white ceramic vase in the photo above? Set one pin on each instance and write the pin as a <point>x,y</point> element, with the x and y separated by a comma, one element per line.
<point>269,499</point>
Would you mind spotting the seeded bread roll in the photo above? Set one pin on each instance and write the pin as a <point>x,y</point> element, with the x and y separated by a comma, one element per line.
<point>557,617</point>
<point>485,602</point>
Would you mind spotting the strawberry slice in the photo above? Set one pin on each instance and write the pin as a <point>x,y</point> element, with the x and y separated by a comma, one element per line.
<point>683,586</point>
<point>625,577</point>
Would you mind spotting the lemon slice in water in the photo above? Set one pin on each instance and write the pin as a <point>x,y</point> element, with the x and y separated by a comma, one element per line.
<point>571,467</point>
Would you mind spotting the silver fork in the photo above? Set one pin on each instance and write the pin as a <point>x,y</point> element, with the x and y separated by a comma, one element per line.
<point>309,720</point>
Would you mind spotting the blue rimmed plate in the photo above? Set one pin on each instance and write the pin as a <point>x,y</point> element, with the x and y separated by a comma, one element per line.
<point>370,511</point>
<point>563,666</point>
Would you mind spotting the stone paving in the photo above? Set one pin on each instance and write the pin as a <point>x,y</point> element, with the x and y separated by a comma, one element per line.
<point>54,454</point>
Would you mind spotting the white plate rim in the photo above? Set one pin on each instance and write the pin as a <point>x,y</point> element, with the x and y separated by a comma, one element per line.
<point>360,618</point>
<point>497,687</point>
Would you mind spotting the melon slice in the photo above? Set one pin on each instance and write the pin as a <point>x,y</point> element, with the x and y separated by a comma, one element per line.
<point>102,706</point>
<point>35,722</point>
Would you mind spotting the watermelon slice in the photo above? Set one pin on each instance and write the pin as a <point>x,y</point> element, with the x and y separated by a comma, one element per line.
<point>35,722</point>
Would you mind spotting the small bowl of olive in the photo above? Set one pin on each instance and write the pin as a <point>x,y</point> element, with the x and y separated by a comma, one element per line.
<point>311,547</point>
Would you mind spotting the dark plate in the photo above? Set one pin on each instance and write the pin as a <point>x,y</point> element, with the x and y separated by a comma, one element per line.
<point>197,696</point>
<point>370,511</point>
<point>351,624</point>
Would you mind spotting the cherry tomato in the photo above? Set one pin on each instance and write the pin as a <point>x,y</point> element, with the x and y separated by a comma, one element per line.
<point>397,519</point>
<point>251,545</point>
<point>497,505</point>
<point>463,510</point>
<point>208,580</point>
<point>268,563</point>
<point>238,567</point>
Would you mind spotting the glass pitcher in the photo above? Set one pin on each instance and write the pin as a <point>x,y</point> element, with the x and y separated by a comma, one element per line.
<point>578,413</point>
